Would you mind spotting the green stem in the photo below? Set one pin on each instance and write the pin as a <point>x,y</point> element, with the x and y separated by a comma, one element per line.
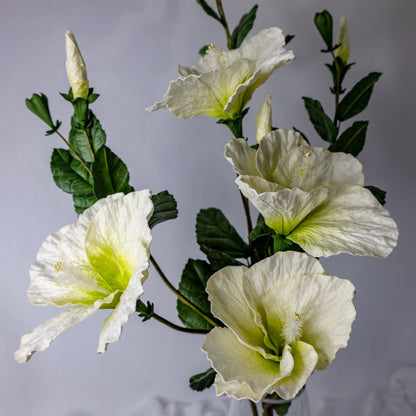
<point>183,298</point>
<point>74,152</point>
<point>178,327</point>
<point>338,87</point>
<point>225,24</point>
<point>253,408</point>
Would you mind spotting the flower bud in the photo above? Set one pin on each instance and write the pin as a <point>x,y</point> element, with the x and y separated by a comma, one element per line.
<point>264,119</point>
<point>343,51</point>
<point>75,67</point>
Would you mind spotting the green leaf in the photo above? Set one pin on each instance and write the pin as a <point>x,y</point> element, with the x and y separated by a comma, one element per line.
<point>218,259</point>
<point>283,244</point>
<point>357,99</point>
<point>194,279</point>
<point>203,50</point>
<point>352,140</point>
<point>261,240</point>
<point>208,10</point>
<point>78,138</point>
<point>378,193</point>
<point>145,311</point>
<point>39,106</point>
<point>202,381</point>
<point>302,134</point>
<point>110,174</point>
<point>81,111</point>
<point>288,38</point>
<point>69,174</point>
<point>323,22</point>
<point>165,208</point>
<point>281,409</point>
<point>215,233</point>
<point>322,123</point>
<point>243,28</point>
<point>82,202</point>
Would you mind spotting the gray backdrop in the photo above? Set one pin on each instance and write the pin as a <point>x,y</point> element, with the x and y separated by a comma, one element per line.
<point>132,48</point>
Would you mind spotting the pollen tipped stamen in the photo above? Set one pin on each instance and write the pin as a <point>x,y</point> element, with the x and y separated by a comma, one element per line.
<point>292,329</point>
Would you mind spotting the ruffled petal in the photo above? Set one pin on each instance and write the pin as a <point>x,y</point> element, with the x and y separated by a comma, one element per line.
<point>308,167</point>
<point>225,290</point>
<point>62,274</point>
<point>283,210</point>
<point>41,337</point>
<point>261,287</point>
<point>207,93</point>
<point>307,305</point>
<point>241,156</point>
<point>305,359</point>
<point>240,365</point>
<point>352,221</point>
<point>117,237</point>
<point>275,145</point>
<point>112,326</point>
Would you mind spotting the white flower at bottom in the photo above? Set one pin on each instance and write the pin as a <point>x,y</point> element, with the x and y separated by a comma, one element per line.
<point>99,262</point>
<point>285,317</point>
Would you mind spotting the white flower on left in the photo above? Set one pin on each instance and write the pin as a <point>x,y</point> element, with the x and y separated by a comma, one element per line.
<point>99,262</point>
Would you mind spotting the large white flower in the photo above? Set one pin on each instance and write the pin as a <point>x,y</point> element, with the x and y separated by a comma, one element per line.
<point>221,83</point>
<point>312,196</point>
<point>285,317</point>
<point>99,262</point>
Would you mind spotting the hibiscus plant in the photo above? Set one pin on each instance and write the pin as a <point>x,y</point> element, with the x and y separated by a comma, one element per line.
<point>270,313</point>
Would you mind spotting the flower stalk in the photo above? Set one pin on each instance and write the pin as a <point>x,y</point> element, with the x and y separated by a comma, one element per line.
<point>224,23</point>
<point>183,298</point>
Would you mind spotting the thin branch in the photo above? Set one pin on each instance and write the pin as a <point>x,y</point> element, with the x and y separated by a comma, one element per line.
<point>89,143</point>
<point>183,298</point>
<point>178,327</point>
<point>224,23</point>
<point>74,152</point>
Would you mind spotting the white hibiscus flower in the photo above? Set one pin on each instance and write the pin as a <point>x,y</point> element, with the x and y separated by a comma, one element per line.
<point>312,196</point>
<point>99,262</point>
<point>284,318</point>
<point>221,83</point>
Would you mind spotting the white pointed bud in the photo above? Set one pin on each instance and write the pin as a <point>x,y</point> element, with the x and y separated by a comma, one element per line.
<point>264,119</point>
<point>343,51</point>
<point>75,67</point>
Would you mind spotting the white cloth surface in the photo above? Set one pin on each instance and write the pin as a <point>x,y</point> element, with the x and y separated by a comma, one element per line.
<point>160,406</point>
<point>397,397</point>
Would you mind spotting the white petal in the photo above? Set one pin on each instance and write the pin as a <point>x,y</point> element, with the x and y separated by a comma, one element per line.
<point>323,305</point>
<point>351,222</point>
<point>305,358</point>
<point>263,276</point>
<point>62,274</point>
<point>264,118</point>
<point>275,145</point>
<point>156,106</point>
<point>282,209</point>
<point>225,290</point>
<point>241,156</point>
<point>41,337</point>
<point>265,48</point>
<point>117,237</point>
<point>308,167</point>
<point>240,364</point>
<point>126,305</point>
